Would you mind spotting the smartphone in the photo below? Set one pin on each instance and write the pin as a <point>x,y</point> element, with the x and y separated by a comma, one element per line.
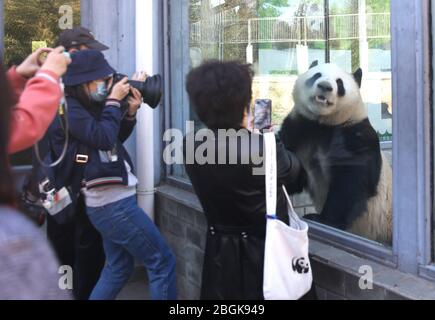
<point>263,114</point>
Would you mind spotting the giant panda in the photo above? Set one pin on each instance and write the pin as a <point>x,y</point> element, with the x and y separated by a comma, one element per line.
<point>344,170</point>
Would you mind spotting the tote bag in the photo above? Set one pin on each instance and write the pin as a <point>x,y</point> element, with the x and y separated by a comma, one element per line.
<point>287,268</point>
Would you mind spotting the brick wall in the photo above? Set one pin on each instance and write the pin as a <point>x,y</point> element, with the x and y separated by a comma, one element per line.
<point>185,228</point>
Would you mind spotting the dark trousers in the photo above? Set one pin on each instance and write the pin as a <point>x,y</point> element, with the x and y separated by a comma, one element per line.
<point>79,245</point>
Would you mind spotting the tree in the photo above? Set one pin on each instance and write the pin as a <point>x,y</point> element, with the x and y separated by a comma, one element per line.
<point>271,8</point>
<point>27,21</point>
<point>32,20</point>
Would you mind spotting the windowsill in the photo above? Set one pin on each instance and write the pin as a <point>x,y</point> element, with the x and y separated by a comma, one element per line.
<point>181,196</point>
<point>388,282</point>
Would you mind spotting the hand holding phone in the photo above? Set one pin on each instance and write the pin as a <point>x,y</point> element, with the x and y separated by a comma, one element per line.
<point>262,114</point>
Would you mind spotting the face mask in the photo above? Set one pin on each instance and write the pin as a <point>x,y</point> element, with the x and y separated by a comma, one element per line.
<point>101,93</point>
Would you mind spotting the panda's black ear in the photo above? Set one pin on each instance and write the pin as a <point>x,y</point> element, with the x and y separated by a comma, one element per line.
<point>314,64</point>
<point>358,76</point>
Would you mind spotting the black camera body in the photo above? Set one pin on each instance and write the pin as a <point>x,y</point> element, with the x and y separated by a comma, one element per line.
<point>151,89</point>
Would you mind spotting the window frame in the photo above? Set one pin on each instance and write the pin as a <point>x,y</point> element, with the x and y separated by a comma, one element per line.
<point>412,211</point>
<point>426,266</point>
<point>412,158</point>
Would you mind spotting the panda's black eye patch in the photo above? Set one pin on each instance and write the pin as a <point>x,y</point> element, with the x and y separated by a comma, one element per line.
<point>310,82</point>
<point>341,90</point>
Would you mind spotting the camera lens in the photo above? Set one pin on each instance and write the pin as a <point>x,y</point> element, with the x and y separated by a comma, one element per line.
<point>151,89</point>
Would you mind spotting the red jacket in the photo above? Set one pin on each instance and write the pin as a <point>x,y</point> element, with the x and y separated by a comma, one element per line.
<point>38,100</point>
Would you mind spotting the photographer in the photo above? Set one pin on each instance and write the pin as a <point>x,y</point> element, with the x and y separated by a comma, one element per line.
<point>36,95</point>
<point>98,129</point>
<point>78,244</point>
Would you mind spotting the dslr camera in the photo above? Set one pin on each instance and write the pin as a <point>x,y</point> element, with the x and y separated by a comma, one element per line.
<point>151,89</point>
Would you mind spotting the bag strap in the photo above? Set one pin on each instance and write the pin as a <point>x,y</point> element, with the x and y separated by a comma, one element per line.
<point>82,156</point>
<point>289,201</point>
<point>271,174</point>
<point>80,162</point>
<point>294,220</point>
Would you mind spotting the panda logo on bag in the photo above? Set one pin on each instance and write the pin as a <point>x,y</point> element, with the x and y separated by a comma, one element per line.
<point>301,265</point>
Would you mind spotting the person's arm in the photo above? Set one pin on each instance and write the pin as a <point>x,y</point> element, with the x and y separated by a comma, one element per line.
<point>37,99</point>
<point>36,108</point>
<point>290,171</point>
<point>17,83</point>
<point>102,133</point>
<point>129,122</point>
<point>19,75</point>
<point>127,127</point>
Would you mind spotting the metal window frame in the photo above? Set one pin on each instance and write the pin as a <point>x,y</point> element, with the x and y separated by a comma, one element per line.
<point>426,266</point>
<point>412,144</point>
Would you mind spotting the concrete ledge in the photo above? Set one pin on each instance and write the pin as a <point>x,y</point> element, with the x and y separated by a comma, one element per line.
<point>180,196</point>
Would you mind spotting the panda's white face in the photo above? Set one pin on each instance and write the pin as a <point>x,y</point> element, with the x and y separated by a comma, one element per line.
<point>303,264</point>
<point>328,94</point>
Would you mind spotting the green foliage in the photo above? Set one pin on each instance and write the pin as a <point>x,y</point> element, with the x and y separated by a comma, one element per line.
<point>351,6</point>
<point>378,5</point>
<point>32,20</point>
<point>271,8</point>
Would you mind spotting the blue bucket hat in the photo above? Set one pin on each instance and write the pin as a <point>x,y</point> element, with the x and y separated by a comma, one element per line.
<point>87,66</point>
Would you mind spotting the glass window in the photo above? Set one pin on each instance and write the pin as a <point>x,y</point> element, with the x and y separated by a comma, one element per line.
<point>32,24</point>
<point>281,38</point>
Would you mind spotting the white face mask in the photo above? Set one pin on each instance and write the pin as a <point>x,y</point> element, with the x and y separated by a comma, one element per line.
<point>101,93</point>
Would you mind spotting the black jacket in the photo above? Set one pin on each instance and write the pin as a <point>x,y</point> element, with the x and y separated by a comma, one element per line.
<point>234,203</point>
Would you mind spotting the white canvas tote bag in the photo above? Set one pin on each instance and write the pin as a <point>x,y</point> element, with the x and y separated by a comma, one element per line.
<point>287,268</point>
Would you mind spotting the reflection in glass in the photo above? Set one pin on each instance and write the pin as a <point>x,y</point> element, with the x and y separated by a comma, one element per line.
<point>281,38</point>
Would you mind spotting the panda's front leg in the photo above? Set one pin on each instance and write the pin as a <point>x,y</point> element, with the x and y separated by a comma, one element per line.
<point>347,196</point>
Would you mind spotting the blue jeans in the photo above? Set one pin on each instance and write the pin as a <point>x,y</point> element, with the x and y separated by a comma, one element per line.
<point>128,233</point>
